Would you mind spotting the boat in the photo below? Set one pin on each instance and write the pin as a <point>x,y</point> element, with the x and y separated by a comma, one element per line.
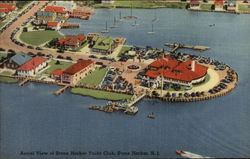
<point>106,30</point>
<point>179,152</point>
<point>152,31</point>
<point>131,110</point>
<point>135,24</point>
<point>114,25</point>
<point>131,14</point>
<point>151,116</point>
<point>155,18</point>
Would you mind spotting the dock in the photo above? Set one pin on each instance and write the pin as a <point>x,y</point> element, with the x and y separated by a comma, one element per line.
<point>23,82</point>
<point>69,26</point>
<point>59,91</point>
<point>135,99</point>
<point>176,46</point>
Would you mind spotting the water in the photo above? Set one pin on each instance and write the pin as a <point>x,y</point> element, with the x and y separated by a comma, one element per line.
<point>32,119</point>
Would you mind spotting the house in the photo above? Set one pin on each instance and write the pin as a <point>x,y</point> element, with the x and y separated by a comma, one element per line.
<point>74,73</point>
<point>103,45</point>
<point>173,71</point>
<point>71,42</point>
<point>45,16</point>
<point>218,4</point>
<point>68,5</point>
<point>60,11</point>
<point>32,67</point>
<point>6,8</point>
<point>194,4</point>
<point>17,60</point>
<point>54,25</point>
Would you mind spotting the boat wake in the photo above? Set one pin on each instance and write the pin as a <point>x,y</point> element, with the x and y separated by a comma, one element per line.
<point>190,154</point>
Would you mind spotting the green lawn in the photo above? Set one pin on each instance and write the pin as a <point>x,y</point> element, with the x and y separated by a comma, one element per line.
<point>7,73</point>
<point>39,37</point>
<point>2,24</point>
<point>2,55</point>
<point>143,4</point>
<point>8,80</point>
<point>244,7</point>
<point>123,50</point>
<point>94,78</point>
<point>63,65</point>
<point>100,94</point>
<point>206,6</point>
<point>207,78</point>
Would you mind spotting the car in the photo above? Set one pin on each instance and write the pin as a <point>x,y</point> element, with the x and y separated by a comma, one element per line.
<point>38,48</point>
<point>92,56</point>
<point>104,58</point>
<point>30,47</point>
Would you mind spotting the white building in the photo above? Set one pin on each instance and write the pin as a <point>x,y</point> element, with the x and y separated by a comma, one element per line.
<point>68,5</point>
<point>32,67</point>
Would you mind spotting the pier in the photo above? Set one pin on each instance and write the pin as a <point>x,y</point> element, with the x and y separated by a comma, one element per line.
<point>67,25</point>
<point>58,92</point>
<point>23,82</point>
<point>177,46</point>
<point>137,99</point>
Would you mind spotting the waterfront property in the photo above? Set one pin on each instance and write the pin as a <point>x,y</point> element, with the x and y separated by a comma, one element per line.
<point>16,61</point>
<point>32,67</point>
<point>103,45</point>
<point>194,4</point>
<point>74,73</point>
<point>169,70</point>
<point>219,4</point>
<point>54,25</point>
<point>45,16</point>
<point>6,8</point>
<point>60,11</point>
<point>71,42</point>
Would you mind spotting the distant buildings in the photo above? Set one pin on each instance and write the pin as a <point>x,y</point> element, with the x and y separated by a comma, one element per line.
<point>32,67</point>
<point>68,5</point>
<point>74,73</point>
<point>194,3</point>
<point>17,60</point>
<point>103,45</point>
<point>108,1</point>
<point>45,16</point>
<point>54,25</point>
<point>71,42</point>
<point>60,11</point>
<point>174,71</point>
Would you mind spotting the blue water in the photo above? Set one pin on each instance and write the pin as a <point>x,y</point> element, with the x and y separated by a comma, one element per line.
<point>32,119</point>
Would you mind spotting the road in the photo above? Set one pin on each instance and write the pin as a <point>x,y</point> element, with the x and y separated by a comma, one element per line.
<point>6,43</point>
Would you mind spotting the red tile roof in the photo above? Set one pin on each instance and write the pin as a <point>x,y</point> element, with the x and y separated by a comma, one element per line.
<point>8,7</point>
<point>57,72</point>
<point>80,65</point>
<point>195,2</point>
<point>55,9</point>
<point>175,69</point>
<point>4,10</point>
<point>218,2</point>
<point>72,40</point>
<point>32,64</point>
<point>52,24</point>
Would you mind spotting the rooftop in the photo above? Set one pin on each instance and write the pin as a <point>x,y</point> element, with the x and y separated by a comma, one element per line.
<point>175,69</point>
<point>80,65</point>
<point>72,40</point>
<point>55,9</point>
<point>32,64</point>
<point>52,24</point>
<point>43,13</point>
<point>20,58</point>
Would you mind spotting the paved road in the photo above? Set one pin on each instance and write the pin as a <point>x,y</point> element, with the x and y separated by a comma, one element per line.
<point>6,43</point>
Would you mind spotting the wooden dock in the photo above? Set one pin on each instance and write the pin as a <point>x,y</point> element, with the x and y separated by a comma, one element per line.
<point>176,46</point>
<point>136,100</point>
<point>69,26</point>
<point>59,91</point>
<point>23,82</point>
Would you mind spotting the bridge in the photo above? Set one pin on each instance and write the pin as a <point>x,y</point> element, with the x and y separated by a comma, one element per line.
<point>23,82</point>
<point>137,99</point>
<point>59,91</point>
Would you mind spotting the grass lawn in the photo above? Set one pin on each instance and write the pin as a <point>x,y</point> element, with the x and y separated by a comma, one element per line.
<point>94,78</point>
<point>100,94</point>
<point>206,6</point>
<point>207,78</point>
<point>2,24</point>
<point>244,7</point>
<point>2,55</point>
<point>8,80</point>
<point>7,73</point>
<point>39,37</point>
<point>143,4</point>
<point>63,65</point>
<point>123,50</point>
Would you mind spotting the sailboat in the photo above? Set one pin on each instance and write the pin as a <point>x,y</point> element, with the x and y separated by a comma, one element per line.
<point>135,24</point>
<point>114,26</point>
<point>120,16</point>
<point>155,17</point>
<point>152,31</point>
<point>106,30</point>
<point>131,14</point>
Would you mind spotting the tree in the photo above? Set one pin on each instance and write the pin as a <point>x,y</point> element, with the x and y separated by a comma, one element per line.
<point>57,62</point>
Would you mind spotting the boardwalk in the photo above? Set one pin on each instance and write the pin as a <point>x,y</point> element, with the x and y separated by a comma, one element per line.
<point>137,99</point>
<point>23,82</point>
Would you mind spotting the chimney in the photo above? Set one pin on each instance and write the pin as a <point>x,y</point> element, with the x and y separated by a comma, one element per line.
<point>193,66</point>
